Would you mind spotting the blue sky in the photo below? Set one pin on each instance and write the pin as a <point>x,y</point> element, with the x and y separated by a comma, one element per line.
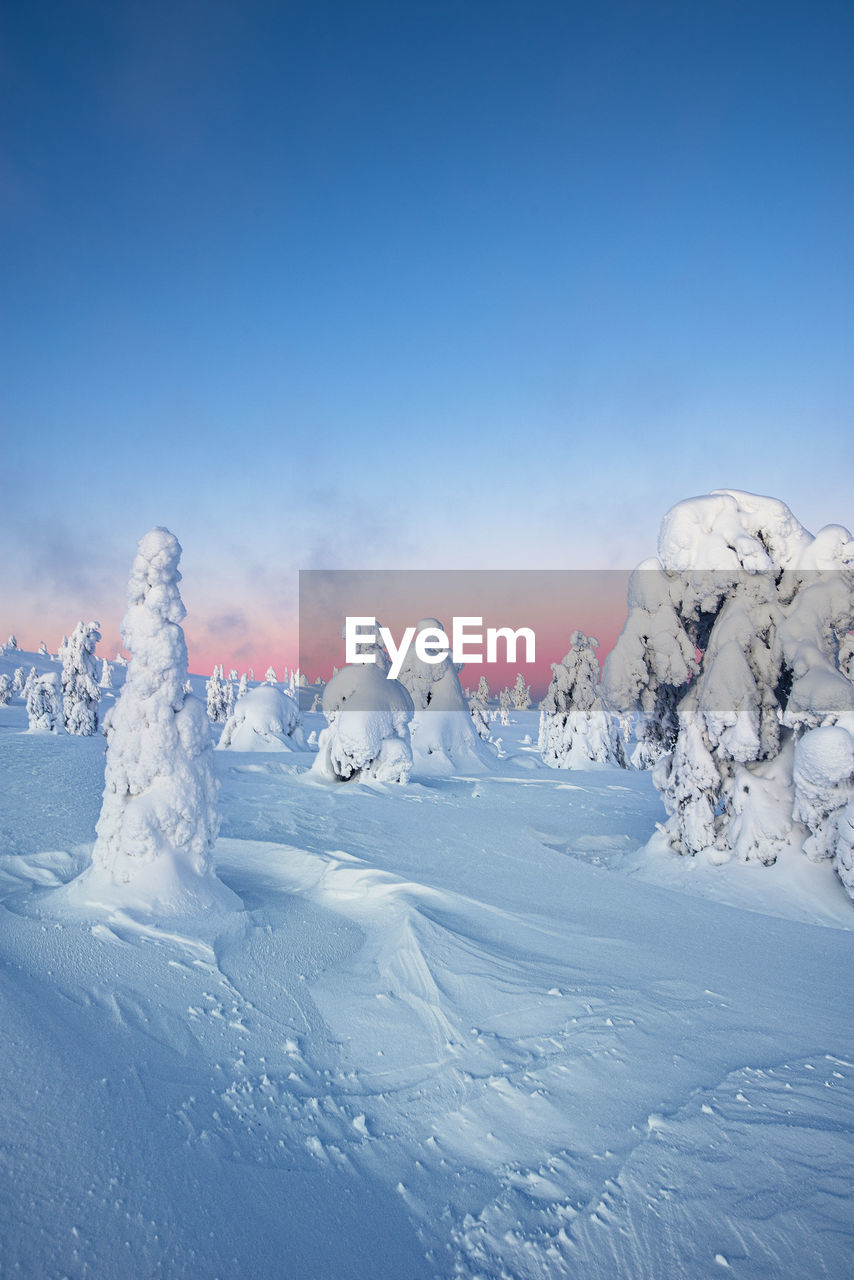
<point>476,284</point>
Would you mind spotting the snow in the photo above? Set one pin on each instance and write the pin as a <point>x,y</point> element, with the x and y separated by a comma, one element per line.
<point>475,1027</point>
<point>264,719</point>
<point>768,609</point>
<point>367,736</point>
<point>444,738</point>
<point>159,818</point>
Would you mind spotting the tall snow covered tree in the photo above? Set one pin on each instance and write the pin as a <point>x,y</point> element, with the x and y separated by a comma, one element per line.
<point>483,695</point>
<point>227,697</point>
<point>270,676</point>
<point>80,690</point>
<point>106,681</point>
<point>159,819</point>
<point>5,690</point>
<point>742,620</point>
<point>44,707</point>
<point>575,726</point>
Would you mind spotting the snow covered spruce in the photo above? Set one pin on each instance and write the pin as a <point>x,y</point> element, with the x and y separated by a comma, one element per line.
<point>444,737</point>
<point>736,652</point>
<point>576,728</point>
<point>81,692</point>
<point>367,738</point>
<point>159,818</point>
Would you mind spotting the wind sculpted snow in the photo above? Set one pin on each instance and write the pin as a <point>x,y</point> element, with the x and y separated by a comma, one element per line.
<point>465,1028</point>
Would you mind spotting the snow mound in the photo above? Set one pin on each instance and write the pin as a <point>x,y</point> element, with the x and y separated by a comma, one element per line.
<point>265,719</point>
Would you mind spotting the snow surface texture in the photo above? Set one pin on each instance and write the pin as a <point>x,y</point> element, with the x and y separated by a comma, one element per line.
<point>444,738</point>
<point>159,819</point>
<point>576,729</point>
<point>769,608</point>
<point>472,1029</point>
<point>367,736</point>
<point>264,719</point>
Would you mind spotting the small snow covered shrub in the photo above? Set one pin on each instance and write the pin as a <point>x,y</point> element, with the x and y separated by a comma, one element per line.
<point>44,707</point>
<point>733,651</point>
<point>265,719</point>
<point>575,725</point>
<point>81,692</point>
<point>159,818</point>
<point>367,737</point>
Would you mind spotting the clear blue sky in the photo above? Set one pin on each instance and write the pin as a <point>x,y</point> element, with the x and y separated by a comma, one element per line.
<point>474,283</point>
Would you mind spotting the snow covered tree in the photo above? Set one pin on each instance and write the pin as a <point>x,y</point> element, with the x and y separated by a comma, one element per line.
<point>243,686</point>
<point>32,677</point>
<point>43,653</point>
<point>106,681</point>
<point>80,691</point>
<point>652,662</point>
<point>270,677</point>
<point>846,655</point>
<point>18,679</point>
<point>266,719</point>
<point>480,718</point>
<point>742,621</point>
<point>317,704</point>
<point>233,676</point>
<point>159,818</point>
<point>11,643</point>
<point>504,703</point>
<point>575,725</point>
<point>5,690</point>
<point>444,738</point>
<point>367,737</point>
<point>521,694</point>
<point>44,707</point>
<point>215,690</point>
<point>483,695</point>
<point>228,697</point>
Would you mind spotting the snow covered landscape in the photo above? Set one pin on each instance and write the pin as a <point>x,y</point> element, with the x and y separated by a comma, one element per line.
<point>463,1014</point>
<point>426,640</point>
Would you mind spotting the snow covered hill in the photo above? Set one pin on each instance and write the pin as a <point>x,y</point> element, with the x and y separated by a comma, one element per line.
<point>468,1028</point>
